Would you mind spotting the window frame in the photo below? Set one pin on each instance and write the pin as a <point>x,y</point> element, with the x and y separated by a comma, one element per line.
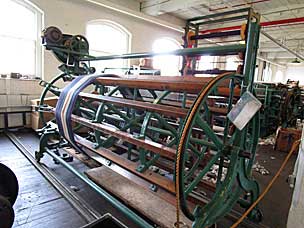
<point>39,23</point>
<point>116,26</point>
<point>178,44</point>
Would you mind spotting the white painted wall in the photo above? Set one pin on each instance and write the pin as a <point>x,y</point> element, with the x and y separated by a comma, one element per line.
<point>295,72</point>
<point>71,16</point>
<point>291,71</point>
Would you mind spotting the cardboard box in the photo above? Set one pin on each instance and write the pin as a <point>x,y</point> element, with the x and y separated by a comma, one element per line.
<point>35,117</point>
<point>285,139</point>
<point>51,101</point>
<point>36,121</point>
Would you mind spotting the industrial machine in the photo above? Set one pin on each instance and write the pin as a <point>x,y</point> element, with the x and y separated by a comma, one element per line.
<point>169,132</point>
<point>282,105</point>
<point>272,97</point>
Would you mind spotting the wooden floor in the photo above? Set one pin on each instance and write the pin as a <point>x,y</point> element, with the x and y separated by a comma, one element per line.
<point>40,205</point>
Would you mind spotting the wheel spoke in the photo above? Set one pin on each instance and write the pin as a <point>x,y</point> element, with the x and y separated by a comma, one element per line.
<point>196,164</point>
<point>209,132</point>
<point>194,150</point>
<point>198,178</point>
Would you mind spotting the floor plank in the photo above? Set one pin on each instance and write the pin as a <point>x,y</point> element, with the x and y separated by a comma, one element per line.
<point>135,196</point>
<point>38,203</point>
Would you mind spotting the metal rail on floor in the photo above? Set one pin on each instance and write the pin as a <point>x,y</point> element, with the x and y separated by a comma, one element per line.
<point>113,201</point>
<point>81,206</point>
<point>86,211</point>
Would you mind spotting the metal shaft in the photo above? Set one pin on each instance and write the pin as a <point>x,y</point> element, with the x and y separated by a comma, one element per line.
<point>217,50</point>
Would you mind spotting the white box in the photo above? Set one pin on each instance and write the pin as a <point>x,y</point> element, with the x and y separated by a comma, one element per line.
<point>2,86</point>
<point>14,100</point>
<point>3,101</point>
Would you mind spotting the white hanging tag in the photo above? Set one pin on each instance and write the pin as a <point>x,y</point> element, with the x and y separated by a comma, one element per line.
<point>244,110</point>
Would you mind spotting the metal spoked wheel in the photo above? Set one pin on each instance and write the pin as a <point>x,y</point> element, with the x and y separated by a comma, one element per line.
<point>231,150</point>
<point>48,90</point>
<point>80,44</point>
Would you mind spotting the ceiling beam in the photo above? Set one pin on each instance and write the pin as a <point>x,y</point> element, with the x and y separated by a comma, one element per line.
<point>158,7</point>
<point>283,46</point>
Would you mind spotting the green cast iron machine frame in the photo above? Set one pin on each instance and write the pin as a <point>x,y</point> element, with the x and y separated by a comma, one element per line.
<point>165,124</point>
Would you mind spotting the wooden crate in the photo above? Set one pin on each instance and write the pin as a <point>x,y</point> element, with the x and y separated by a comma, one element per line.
<point>285,138</point>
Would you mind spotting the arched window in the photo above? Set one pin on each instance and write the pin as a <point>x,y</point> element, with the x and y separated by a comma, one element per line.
<point>108,38</point>
<point>267,74</point>
<point>168,65</point>
<point>20,43</point>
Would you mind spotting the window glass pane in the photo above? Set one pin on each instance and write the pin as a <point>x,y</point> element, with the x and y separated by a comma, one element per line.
<point>106,38</point>
<point>17,20</point>
<point>232,63</point>
<point>169,65</point>
<point>101,65</point>
<point>205,63</point>
<point>17,56</point>
<point>267,74</point>
<point>18,37</point>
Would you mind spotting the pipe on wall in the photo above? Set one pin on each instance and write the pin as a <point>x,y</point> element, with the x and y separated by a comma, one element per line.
<point>273,63</point>
<point>132,13</point>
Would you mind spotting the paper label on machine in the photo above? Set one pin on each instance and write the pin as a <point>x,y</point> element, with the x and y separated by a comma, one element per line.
<point>244,110</point>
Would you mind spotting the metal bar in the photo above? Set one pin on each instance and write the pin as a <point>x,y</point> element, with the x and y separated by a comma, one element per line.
<point>263,24</point>
<point>282,22</point>
<point>5,120</point>
<point>24,118</point>
<point>283,46</point>
<point>88,213</point>
<point>268,61</point>
<point>216,35</point>
<point>219,14</point>
<point>165,151</point>
<point>16,112</point>
<point>217,50</point>
<point>118,205</point>
<point>250,55</point>
<point>223,20</point>
<point>215,71</point>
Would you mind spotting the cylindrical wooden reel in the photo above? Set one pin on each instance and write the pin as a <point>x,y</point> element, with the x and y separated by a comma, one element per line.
<point>177,126</point>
